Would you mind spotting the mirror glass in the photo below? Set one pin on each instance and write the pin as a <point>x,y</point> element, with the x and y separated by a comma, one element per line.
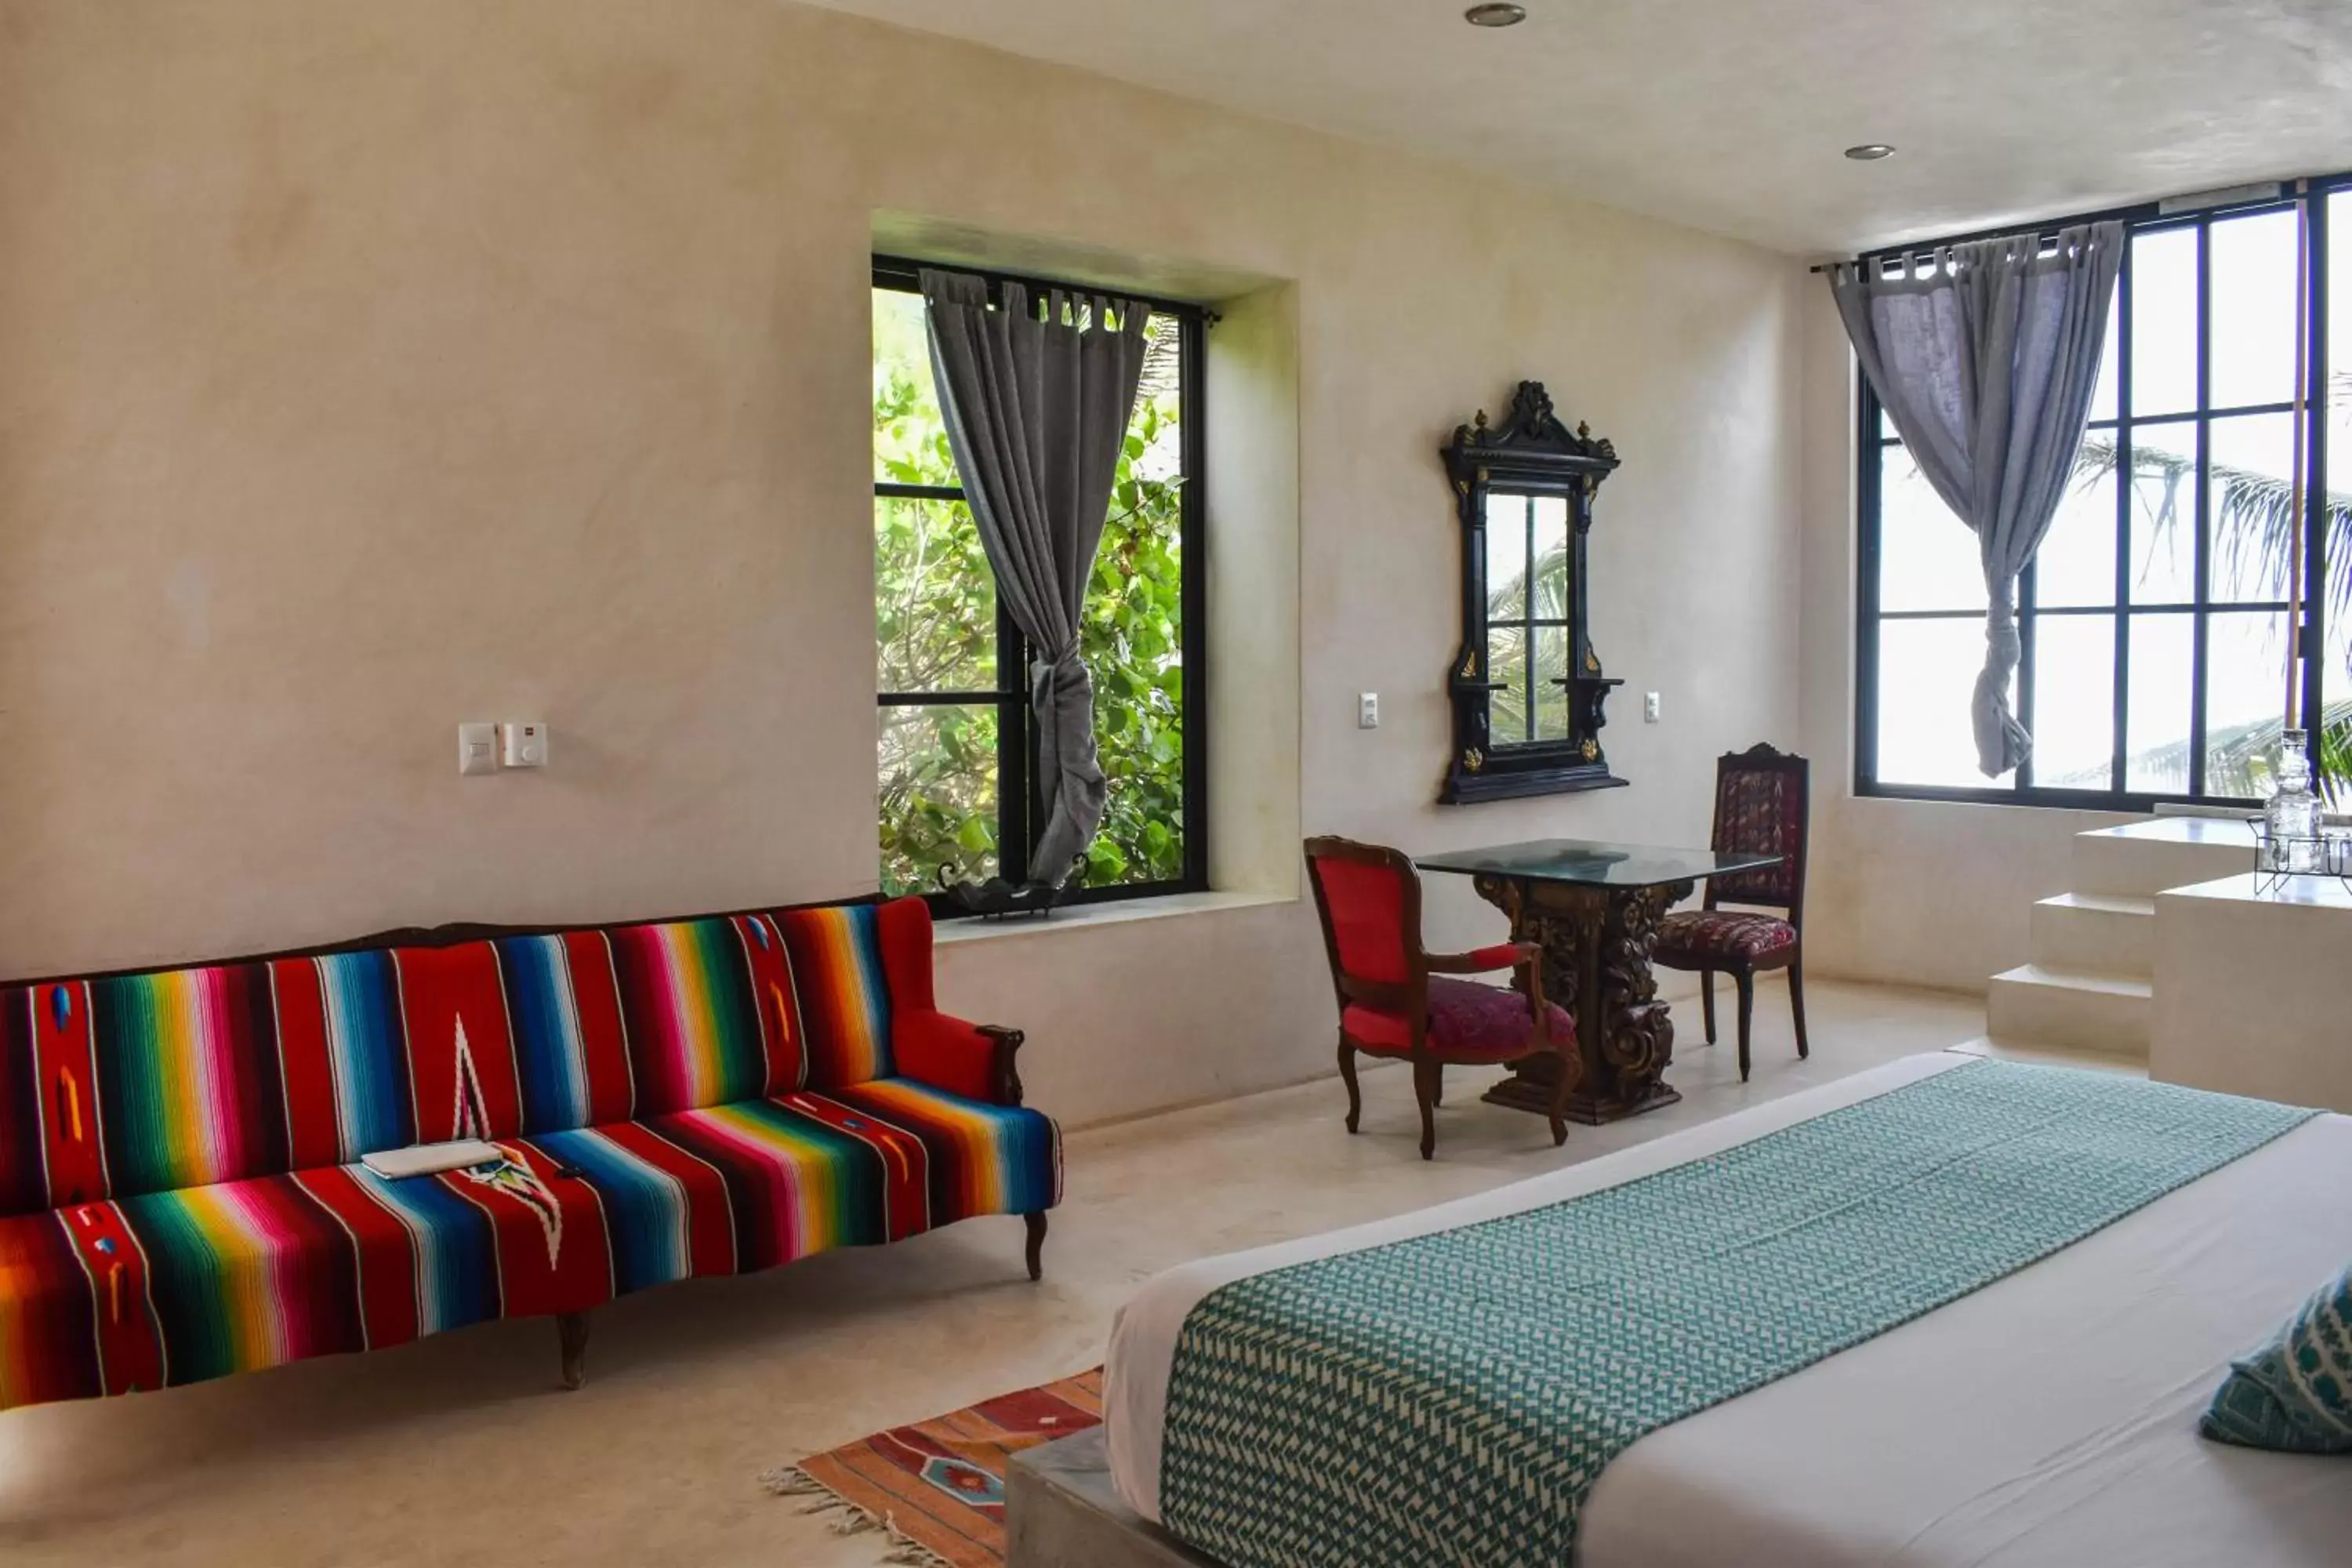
<point>1507,666</point>
<point>1528,617</point>
<point>1506,559</point>
<point>1550,555</point>
<point>1551,681</point>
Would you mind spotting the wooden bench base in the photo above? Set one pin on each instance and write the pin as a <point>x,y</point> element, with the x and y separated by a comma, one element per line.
<point>571,1328</point>
<point>1062,1511</point>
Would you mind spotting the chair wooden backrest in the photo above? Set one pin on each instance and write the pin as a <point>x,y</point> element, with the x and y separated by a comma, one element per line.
<point>1369,898</point>
<point>1762,804</point>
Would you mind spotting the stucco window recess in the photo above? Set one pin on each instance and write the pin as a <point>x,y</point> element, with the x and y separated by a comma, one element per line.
<point>963,796</point>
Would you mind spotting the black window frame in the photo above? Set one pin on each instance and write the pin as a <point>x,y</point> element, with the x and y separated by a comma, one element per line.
<point>1016,745</point>
<point>1871,443</point>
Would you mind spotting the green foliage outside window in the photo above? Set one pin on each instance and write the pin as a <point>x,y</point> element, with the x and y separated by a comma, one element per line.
<point>936,631</point>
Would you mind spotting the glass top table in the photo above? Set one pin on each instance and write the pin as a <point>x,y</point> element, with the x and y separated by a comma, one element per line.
<point>1595,865</point>
<point>1594,910</point>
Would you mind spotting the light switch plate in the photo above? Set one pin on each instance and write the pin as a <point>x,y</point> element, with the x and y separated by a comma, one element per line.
<point>1650,708</point>
<point>477,748</point>
<point>1368,711</point>
<point>522,743</point>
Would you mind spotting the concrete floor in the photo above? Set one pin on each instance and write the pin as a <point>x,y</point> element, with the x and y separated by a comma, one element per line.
<point>463,1450</point>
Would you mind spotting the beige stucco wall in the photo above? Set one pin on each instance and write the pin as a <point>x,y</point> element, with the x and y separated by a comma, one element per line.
<point>367,368</point>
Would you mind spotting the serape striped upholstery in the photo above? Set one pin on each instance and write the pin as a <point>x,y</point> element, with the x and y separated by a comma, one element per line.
<point>180,1195</point>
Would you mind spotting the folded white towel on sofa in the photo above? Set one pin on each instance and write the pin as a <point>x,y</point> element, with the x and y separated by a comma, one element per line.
<point>428,1158</point>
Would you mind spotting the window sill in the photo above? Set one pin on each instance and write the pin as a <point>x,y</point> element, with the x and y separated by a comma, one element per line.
<point>1085,916</point>
<point>2041,797</point>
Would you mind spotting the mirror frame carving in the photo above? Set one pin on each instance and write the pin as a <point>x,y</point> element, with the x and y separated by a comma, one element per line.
<point>1532,453</point>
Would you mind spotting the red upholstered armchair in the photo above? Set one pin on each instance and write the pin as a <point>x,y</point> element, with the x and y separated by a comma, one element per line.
<point>1395,997</point>
<point>1760,807</point>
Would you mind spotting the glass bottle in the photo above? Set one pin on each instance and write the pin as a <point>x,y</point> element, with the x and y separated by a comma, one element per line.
<point>2291,820</point>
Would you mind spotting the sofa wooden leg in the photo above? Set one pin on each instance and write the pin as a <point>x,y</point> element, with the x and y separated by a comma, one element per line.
<point>572,1331</point>
<point>1036,1224</point>
<point>1706,1001</point>
<point>1348,1077</point>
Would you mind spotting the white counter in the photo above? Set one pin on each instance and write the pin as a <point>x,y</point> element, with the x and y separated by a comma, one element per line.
<point>2254,991</point>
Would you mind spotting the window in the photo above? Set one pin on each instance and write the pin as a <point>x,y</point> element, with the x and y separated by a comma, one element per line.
<point>960,798</point>
<point>2155,617</point>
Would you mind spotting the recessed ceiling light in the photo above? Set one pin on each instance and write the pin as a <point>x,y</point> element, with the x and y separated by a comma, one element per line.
<point>1495,15</point>
<point>1870,152</point>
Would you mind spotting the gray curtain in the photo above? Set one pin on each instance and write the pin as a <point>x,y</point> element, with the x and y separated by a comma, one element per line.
<point>1985,357</point>
<point>1037,408</point>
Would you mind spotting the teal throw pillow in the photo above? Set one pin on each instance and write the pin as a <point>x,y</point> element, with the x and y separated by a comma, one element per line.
<point>2294,1395</point>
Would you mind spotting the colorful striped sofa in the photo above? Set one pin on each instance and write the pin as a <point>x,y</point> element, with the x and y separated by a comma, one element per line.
<point>181,1188</point>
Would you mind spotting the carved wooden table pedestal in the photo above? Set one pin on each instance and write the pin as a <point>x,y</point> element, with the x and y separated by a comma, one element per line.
<point>1596,946</point>
<point>1594,910</point>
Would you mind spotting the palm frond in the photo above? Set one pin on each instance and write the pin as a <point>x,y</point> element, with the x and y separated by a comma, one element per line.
<point>1162,359</point>
<point>1550,575</point>
<point>2254,533</point>
<point>2242,760</point>
<point>2255,526</point>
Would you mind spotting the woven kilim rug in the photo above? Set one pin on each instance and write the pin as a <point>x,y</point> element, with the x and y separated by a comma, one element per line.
<point>937,1488</point>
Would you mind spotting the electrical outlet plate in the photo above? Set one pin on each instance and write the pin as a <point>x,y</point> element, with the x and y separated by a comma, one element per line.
<point>1368,711</point>
<point>1649,707</point>
<point>522,743</point>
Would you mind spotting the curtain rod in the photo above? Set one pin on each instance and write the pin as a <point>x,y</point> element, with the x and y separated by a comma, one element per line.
<point>2188,208</point>
<point>902,270</point>
<point>1884,257</point>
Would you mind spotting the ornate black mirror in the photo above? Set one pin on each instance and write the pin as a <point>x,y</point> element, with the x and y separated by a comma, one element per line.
<point>1526,687</point>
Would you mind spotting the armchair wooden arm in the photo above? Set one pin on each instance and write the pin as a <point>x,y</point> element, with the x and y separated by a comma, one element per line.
<point>1479,960</point>
<point>1004,1077</point>
<point>1526,956</point>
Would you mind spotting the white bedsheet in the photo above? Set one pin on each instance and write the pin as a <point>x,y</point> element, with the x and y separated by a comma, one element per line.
<point>2047,1419</point>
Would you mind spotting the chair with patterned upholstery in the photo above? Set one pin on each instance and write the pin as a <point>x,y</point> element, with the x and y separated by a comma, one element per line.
<point>1396,998</point>
<point>1760,800</point>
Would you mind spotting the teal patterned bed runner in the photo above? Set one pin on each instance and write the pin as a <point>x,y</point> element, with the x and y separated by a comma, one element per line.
<point>1451,1399</point>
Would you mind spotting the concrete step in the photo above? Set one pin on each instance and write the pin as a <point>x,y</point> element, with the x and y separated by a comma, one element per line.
<point>2141,860</point>
<point>2105,933</point>
<point>2076,1009</point>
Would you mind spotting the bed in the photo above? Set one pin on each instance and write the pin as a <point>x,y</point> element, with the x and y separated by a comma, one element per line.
<point>2046,1417</point>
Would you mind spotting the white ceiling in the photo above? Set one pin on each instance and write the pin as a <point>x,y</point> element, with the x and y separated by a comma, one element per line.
<point>1730,115</point>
